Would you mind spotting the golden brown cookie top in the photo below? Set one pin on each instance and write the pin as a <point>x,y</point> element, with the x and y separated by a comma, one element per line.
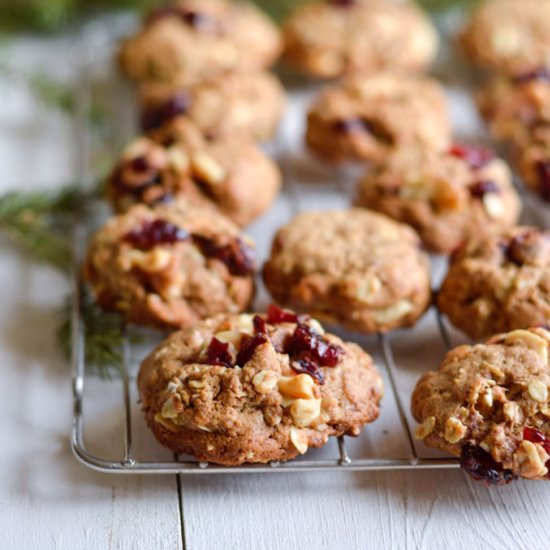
<point>489,404</point>
<point>335,37</point>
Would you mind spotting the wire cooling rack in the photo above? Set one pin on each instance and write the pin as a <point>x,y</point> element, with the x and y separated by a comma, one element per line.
<point>386,444</point>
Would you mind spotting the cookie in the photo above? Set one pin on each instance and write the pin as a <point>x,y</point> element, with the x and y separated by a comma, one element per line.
<point>237,105</point>
<point>199,39</point>
<point>330,38</point>
<point>177,160</point>
<point>489,405</point>
<point>508,36</point>
<point>350,267</point>
<point>447,196</point>
<point>516,107</point>
<point>170,266</point>
<point>256,388</point>
<point>365,118</point>
<point>499,283</point>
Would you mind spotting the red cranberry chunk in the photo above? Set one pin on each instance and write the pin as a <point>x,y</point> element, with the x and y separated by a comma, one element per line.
<point>156,232</point>
<point>176,105</point>
<point>481,188</point>
<point>536,436</point>
<point>218,354</point>
<point>238,257</point>
<point>537,74</point>
<point>306,366</point>
<point>482,467</point>
<point>260,326</point>
<point>477,157</point>
<point>543,172</point>
<point>342,3</point>
<point>305,342</point>
<point>276,315</point>
<point>248,348</point>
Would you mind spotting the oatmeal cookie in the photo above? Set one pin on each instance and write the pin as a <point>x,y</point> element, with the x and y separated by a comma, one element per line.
<point>199,39</point>
<point>365,118</point>
<point>509,36</point>
<point>447,196</point>
<point>177,160</point>
<point>256,388</point>
<point>355,268</point>
<point>499,283</point>
<point>516,107</point>
<point>330,38</point>
<point>170,266</point>
<point>489,405</point>
<point>242,104</point>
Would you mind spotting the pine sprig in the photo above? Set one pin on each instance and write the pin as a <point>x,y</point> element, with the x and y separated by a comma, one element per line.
<point>40,222</point>
<point>102,333</point>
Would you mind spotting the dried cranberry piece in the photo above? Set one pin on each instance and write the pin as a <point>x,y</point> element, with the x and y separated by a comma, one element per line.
<point>536,436</point>
<point>238,257</point>
<point>217,353</point>
<point>307,366</point>
<point>305,342</point>
<point>481,188</point>
<point>277,315</point>
<point>482,467</point>
<point>195,19</point>
<point>477,157</point>
<point>140,164</point>
<point>342,3</point>
<point>543,171</point>
<point>177,104</point>
<point>537,74</point>
<point>357,124</point>
<point>153,233</point>
<point>260,326</point>
<point>248,347</point>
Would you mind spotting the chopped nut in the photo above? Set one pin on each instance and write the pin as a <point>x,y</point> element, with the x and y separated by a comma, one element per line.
<point>178,160</point>
<point>531,458</point>
<point>496,372</point>
<point>203,428</point>
<point>305,411</point>
<point>538,391</point>
<point>426,428</point>
<point>245,323</point>
<point>207,168</point>
<point>197,384</point>
<point>155,260</point>
<point>265,381</point>
<point>531,340</point>
<point>209,447</point>
<point>368,288</point>
<point>511,411</point>
<point>545,412</point>
<point>454,430</point>
<point>299,440</point>
<point>463,413</point>
<point>316,326</point>
<point>394,312</point>
<point>169,425</point>
<point>487,398</point>
<point>229,337</point>
<point>300,386</point>
<point>172,406</point>
<point>493,205</point>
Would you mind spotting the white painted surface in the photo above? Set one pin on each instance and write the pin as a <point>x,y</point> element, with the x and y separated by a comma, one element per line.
<point>48,500</point>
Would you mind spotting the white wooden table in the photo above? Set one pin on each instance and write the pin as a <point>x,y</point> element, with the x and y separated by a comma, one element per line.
<point>48,500</point>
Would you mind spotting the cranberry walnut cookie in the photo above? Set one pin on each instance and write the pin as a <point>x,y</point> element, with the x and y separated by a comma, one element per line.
<point>199,39</point>
<point>489,405</point>
<point>355,268</point>
<point>170,266</point>
<point>334,37</point>
<point>508,36</point>
<point>234,175</point>
<point>499,283</point>
<point>240,104</point>
<point>447,196</point>
<point>365,118</point>
<point>254,388</point>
